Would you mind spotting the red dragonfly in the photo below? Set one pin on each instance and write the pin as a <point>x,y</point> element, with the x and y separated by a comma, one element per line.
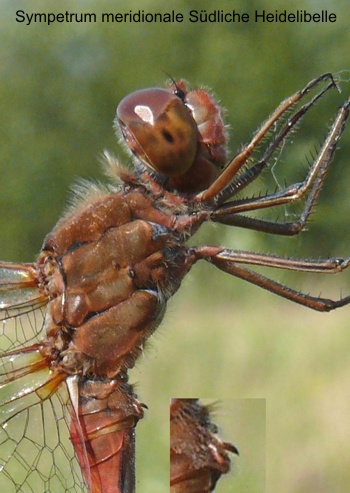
<point>105,273</point>
<point>198,457</point>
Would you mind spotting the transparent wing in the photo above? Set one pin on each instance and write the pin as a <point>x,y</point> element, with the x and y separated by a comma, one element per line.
<point>36,455</point>
<point>20,290</point>
<point>20,301</point>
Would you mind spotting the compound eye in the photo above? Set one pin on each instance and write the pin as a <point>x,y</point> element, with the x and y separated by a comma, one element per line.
<point>159,129</point>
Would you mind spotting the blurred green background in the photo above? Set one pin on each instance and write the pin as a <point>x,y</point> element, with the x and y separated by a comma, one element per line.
<point>221,338</point>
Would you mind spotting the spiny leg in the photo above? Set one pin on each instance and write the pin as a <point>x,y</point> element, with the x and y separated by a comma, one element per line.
<point>250,174</point>
<point>238,162</point>
<point>227,213</point>
<point>229,261</point>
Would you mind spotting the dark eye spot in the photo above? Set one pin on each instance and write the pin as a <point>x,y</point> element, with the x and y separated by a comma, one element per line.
<point>168,136</point>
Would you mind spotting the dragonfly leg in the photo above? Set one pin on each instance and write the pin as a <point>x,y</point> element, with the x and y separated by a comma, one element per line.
<point>310,187</point>
<point>240,160</point>
<point>230,261</point>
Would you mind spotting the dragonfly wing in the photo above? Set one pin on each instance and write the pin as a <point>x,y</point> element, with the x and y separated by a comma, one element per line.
<point>35,451</point>
<point>20,290</point>
<point>20,302</point>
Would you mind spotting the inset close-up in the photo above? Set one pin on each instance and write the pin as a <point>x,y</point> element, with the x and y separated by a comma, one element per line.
<point>201,452</point>
<point>197,455</point>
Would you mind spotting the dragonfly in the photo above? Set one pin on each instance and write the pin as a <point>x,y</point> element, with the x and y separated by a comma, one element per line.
<point>76,320</point>
<point>198,457</point>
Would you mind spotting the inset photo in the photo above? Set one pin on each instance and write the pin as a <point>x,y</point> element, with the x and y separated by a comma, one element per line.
<point>217,445</point>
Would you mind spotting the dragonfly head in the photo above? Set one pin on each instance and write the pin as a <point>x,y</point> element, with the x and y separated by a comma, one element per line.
<point>159,129</point>
<point>175,132</point>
